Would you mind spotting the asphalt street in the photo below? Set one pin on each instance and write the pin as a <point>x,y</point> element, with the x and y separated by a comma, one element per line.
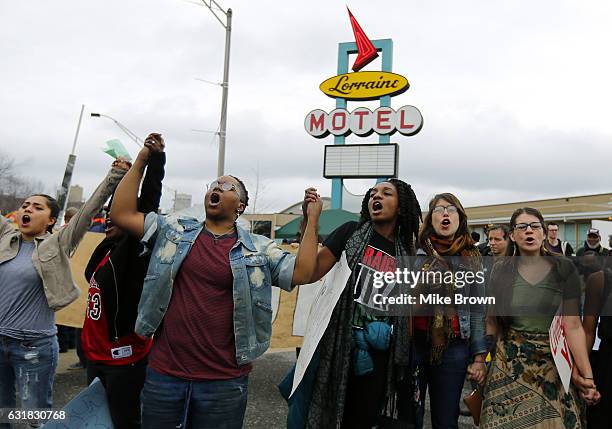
<point>265,410</point>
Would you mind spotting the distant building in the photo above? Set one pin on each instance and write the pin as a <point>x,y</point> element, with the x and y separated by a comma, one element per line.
<point>182,202</point>
<point>267,223</point>
<point>296,209</point>
<point>575,215</point>
<point>75,194</point>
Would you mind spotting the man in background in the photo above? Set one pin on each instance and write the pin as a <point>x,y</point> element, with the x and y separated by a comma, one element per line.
<point>553,244</point>
<point>593,243</point>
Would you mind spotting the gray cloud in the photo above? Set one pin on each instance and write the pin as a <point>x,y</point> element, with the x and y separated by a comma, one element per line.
<point>515,103</point>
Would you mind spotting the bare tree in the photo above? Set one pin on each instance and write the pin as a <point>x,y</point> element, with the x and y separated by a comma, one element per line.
<point>255,203</point>
<point>256,206</point>
<point>7,166</point>
<point>13,188</point>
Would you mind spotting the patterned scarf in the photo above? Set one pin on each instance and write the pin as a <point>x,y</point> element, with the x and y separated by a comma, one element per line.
<point>441,330</point>
<point>329,391</point>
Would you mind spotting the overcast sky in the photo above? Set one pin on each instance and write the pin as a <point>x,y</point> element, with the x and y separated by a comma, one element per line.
<point>515,95</point>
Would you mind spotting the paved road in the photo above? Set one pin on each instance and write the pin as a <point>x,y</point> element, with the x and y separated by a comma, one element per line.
<point>265,410</point>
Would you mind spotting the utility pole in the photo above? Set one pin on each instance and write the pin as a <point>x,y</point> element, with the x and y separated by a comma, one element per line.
<point>213,6</point>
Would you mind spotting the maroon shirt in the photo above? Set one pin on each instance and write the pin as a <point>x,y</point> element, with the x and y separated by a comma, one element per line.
<point>196,341</point>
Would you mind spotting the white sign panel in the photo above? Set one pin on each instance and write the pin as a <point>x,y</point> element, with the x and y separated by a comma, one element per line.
<point>361,160</point>
<point>306,296</point>
<point>560,350</point>
<point>319,316</point>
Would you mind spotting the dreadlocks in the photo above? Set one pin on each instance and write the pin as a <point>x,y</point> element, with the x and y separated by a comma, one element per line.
<point>409,217</point>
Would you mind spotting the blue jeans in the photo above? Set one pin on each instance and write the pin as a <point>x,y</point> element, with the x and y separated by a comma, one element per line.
<point>445,381</point>
<point>30,366</point>
<point>171,402</point>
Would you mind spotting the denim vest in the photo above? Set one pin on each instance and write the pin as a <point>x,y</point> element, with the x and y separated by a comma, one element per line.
<point>257,264</point>
<point>471,316</point>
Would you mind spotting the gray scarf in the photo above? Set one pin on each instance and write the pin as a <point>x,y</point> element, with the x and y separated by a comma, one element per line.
<point>329,391</point>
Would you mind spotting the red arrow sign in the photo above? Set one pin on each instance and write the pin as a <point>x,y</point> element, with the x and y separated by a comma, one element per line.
<point>367,51</point>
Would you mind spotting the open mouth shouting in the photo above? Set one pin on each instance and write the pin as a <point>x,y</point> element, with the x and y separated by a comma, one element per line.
<point>530,241</point>
<point>446,223</point>
<point>215,199</point>
<point>25,220</point>
<point>377,207</point>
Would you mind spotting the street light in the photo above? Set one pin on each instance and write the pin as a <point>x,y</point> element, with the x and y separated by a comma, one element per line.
<point>136,140</point>
<point>122,127</point>
<point>228,31</point>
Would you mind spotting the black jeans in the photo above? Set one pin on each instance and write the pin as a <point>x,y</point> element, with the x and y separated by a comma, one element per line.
<point>123,384</point>
<point>365,394</point>
<point>66,337</point>
<point>600,415</point>
<point>79,347</point>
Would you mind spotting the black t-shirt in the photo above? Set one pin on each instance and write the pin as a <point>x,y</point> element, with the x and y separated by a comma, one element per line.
<point>379,255</point>
<point>558,249</point>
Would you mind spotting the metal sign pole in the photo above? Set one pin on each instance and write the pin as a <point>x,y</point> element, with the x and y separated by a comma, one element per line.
<point>385,46</point>
<point>62,197</point>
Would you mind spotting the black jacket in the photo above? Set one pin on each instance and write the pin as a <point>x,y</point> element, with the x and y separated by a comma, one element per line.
<point>120,280</point>
<point>605,319</point>
<point>599,249</point>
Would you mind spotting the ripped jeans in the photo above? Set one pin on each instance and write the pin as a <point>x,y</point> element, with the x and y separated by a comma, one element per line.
<point>29,367</point>
<point>171,402</point>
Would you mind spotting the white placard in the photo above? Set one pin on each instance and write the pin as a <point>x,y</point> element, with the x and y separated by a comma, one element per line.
<point>560,350</point>
<point>319,316</point>
<point>306,296</point>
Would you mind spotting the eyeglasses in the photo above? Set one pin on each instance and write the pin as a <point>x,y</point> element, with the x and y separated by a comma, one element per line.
<point>523,226</point>
<point>224,186</point>
<point>450,209</point>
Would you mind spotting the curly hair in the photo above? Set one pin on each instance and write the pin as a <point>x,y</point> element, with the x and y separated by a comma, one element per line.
<point>409,217</point>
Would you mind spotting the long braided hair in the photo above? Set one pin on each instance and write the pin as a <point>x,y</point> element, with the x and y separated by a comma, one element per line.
<point>409,217</point>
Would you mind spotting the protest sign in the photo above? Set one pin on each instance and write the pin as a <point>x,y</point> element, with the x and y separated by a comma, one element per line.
<point>560,350</point>
<point>320,314</point>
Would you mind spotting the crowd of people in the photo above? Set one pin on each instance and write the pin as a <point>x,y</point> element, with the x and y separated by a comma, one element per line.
<point>178,310</point>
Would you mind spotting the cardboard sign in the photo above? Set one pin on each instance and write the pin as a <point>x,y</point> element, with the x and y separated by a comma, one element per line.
<point>88,409</point>
<point>74,314</point>
<point>560,350</point>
